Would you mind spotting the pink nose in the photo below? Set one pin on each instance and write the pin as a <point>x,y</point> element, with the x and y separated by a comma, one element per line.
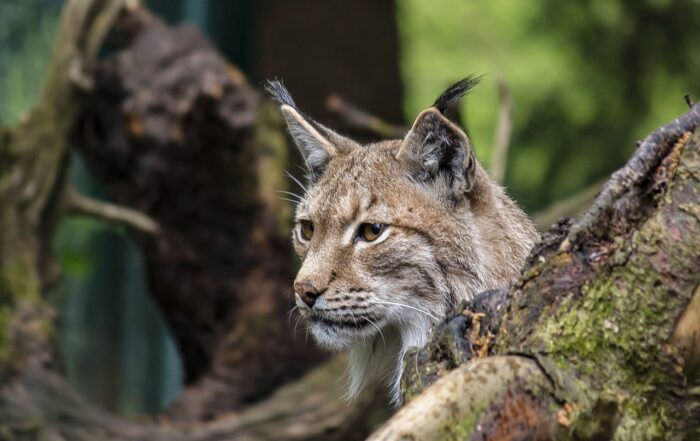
<point>307,292</point>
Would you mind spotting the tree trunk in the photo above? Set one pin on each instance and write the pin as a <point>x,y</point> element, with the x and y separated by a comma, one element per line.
<point>175,132</point>
<point>33,160</point>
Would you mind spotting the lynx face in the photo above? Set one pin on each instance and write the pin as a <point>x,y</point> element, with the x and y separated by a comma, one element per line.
<point>393,234</point>
<point>369,238</point>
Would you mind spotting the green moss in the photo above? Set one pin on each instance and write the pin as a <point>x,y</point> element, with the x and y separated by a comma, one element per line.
<point>464,429</point>
<point>611,329</point>
<point>611,333</point>
<point>19,281</point>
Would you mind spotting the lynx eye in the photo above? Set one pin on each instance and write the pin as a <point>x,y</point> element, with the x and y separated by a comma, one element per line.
<point>306,229</point>
<point>371,232</point>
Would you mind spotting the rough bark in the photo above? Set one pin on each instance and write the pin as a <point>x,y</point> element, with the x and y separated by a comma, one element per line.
<point>170,129</point>
<point>357,56</point>
<point>599,339</point>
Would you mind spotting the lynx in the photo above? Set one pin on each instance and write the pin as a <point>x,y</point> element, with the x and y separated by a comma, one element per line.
<point>393,234</point>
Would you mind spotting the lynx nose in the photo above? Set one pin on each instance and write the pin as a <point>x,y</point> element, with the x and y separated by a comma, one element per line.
<point>308,293</point>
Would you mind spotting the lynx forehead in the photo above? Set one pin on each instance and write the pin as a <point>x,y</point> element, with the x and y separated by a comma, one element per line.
<point>393,234</point>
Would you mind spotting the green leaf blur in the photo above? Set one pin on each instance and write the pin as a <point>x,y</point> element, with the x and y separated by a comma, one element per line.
<point>588,78</point>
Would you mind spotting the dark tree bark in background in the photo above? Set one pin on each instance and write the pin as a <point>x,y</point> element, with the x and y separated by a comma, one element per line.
<point>320,48</point>
<point>173,144</point>
<point>176,141</point>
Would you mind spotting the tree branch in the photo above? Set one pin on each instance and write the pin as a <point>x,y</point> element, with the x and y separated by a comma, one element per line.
<point>504,130</point>
<point>359,119</point>
<point>310,409</point>
<point>647,156</point>
<point>79,204</point>
<point>440,413</point>
<point>33,175</point>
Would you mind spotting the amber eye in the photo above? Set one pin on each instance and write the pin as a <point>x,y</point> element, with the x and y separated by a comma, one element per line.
<point>306,229</point>
<point>370,232</point>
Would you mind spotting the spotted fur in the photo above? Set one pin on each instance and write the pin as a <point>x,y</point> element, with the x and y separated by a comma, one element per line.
<point>451,232</point>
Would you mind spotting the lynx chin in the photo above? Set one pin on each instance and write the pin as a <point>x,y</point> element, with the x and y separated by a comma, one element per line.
<point>393,234</point>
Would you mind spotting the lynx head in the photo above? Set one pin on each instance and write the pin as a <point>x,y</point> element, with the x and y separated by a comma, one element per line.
<point>392,234</point>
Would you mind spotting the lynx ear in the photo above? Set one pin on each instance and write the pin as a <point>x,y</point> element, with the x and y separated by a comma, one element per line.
<point>317,144</point>
<point>316,149</point>
<point>435,146</point>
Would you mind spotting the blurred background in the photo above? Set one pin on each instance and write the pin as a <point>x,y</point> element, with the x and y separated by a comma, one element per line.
<point>586,79</point>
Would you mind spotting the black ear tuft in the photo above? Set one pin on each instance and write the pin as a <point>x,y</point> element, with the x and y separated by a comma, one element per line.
<point>279,93</point>
<point>436,147</point>
<point>456,91</point>
<point>318,144</point>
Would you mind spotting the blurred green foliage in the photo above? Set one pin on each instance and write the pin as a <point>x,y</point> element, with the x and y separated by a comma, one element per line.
<point>27,28</point>
<point>588,78</point>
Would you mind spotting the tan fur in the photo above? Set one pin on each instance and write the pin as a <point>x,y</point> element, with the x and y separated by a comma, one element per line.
<point>445,240</point>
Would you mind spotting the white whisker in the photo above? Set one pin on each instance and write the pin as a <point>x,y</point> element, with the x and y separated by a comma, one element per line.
<point>378,329</point>
<point>302,169</point>
<point>409,307</point>
<point>354,319</point>
<point>296,325</point>
<point>290,194</point>
<point>297,181</point>
<point>291,311</point>
<point>290,200</point>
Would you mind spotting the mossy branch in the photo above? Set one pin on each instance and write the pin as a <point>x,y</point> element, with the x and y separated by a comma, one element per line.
<point>33,171</point>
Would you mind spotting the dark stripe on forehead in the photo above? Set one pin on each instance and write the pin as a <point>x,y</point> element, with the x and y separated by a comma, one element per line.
<point>344,183</point>
<point>336,185</point>
<point>419,232</point>
<point>372,201</point>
